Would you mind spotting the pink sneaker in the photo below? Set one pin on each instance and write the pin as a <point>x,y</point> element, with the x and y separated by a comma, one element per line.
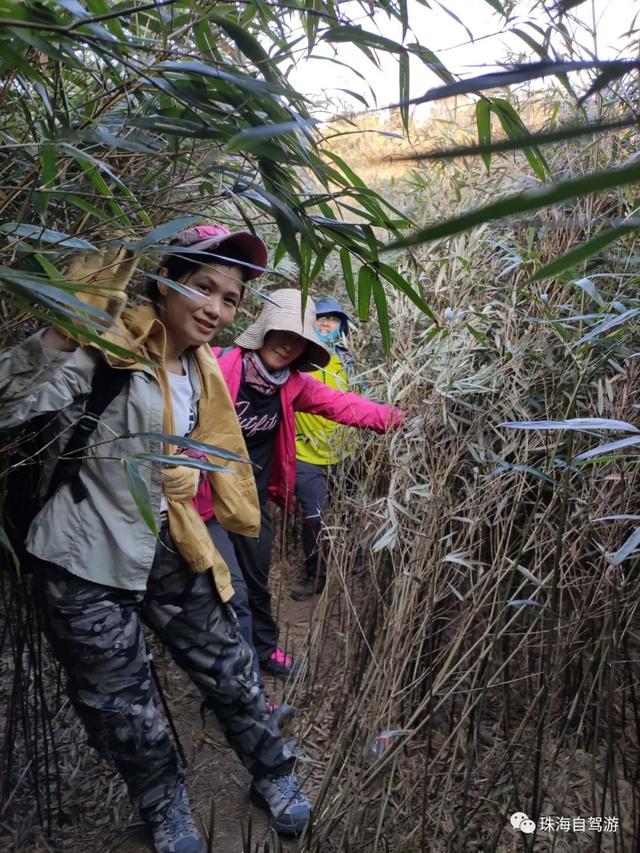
<point>281,712</point>
<point>280,664</point>
<point>280,657</point>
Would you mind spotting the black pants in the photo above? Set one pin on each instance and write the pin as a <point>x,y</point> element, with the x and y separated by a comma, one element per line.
<point>96,631</point>
<point>311,492</point>
<point>249,561</point>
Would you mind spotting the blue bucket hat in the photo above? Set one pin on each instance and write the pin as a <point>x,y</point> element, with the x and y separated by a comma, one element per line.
<point>330,306</point>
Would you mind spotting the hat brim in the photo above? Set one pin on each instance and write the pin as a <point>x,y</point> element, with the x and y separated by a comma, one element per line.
<point>246,248</point>
<point>315,355</point>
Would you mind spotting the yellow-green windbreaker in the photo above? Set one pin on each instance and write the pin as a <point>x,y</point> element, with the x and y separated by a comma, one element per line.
<point>318,440</point>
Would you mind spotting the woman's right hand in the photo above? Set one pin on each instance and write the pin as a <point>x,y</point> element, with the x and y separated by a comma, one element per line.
<point>102,279</point>
<point>396,418</point>
<point>55,339</point>
<point>180,483</point>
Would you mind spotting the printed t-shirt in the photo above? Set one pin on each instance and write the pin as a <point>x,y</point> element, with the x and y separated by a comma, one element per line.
<point>259,416</point>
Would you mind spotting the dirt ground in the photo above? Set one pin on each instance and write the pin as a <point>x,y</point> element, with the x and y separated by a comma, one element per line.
<point>97,816</point>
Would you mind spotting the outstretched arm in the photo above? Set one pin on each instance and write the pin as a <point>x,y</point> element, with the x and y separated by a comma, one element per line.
<point>345,407</point>
<point>44,373</point>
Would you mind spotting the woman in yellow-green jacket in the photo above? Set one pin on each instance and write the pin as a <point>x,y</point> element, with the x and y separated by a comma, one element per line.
<point>321,444</point>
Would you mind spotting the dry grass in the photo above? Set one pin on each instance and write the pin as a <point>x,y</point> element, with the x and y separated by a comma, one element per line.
<point>471,600</point>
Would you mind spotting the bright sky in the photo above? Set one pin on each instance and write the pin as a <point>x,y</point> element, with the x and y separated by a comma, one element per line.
<point>450,40</point>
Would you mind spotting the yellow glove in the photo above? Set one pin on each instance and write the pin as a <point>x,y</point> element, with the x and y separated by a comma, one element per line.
<point>106,275</point>
<point>180,483</point>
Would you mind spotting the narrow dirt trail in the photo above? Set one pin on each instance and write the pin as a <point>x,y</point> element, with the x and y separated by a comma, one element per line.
<point>214,774</point>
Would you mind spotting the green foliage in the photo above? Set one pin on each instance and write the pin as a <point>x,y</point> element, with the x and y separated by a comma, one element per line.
<point>138,121</point>
<point>140,492</point>
<point>124,121</point>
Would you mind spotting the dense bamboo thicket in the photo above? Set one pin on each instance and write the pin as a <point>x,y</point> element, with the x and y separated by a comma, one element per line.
<point>483,587</point>
<point>479,603</point>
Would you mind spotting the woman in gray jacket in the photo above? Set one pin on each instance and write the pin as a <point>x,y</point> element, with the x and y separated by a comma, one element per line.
<point>104,571</point>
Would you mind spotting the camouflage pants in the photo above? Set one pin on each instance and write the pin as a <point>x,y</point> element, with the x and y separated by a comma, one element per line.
<point>96,631</point>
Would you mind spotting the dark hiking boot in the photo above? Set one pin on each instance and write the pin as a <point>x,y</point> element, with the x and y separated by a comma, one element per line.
<point>172,826</point>
<point>282,797</point>
<point>308,589</point>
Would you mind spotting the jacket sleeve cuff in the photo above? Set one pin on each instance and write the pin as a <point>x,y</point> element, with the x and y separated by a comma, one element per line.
<point>35,355</point>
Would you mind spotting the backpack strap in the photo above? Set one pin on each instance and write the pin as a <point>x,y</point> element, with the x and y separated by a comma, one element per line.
<point>106,384</point>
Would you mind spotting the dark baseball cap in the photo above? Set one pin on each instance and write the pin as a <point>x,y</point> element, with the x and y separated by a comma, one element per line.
<point>217,239</point>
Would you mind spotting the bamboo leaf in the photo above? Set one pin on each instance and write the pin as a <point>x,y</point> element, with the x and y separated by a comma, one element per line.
<point>49,161</point>
<point>366,277</point>
<point>347,272</point>
<point>483,123</point>
<point>140,493</point>
<point>515,128</point>
<point>608,324</point>
<point>520,74</point>
<point>432,62</point>
<point>5,543</point>
<point>609,447</point>
<point>361,38</point>
<point>575,424</point>
<point>382,309</point>
<point>398,281</point>
<point>543,138</point>
<point>46,235</point>
<point>189,444</point>
<point>247,139</point>
<point>404,86</point>
<point>102,136</point>
<point>182,460</point>
<point>12,59</point>
<point>627,549</point>
<point>589,288</point>
<point>448,11</point>
<point>252,85</point>
<point>583,251</point>
<point>162,233</point>
<point>247,43</point>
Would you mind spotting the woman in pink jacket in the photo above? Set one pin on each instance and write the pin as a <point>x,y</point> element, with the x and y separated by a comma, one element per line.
<point>266,374</point>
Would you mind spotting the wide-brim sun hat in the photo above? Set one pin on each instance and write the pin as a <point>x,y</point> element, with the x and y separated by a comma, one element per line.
<point>242,246</point>
<point>283,313</point>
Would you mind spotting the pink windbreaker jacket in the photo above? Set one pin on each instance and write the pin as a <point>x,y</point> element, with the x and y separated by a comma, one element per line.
<point>301,393</point>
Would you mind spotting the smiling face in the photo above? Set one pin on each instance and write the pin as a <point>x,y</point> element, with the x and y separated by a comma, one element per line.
<point>194,317</point>
<point>280,349</point>
<point>327,323</point>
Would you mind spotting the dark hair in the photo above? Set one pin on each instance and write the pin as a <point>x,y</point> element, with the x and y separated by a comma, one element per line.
<point>178,266</point>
